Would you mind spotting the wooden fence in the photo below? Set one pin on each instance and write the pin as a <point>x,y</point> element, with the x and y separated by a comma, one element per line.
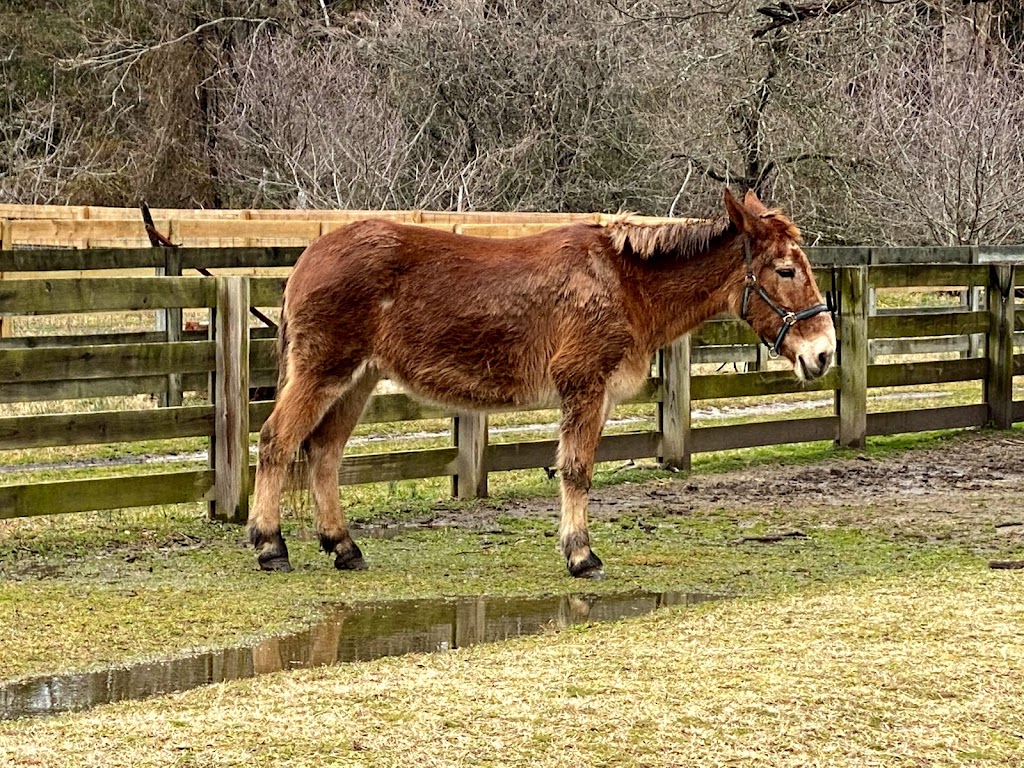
<point>231,359</point>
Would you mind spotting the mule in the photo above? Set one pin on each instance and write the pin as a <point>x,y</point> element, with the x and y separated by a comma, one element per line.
<point>570,317</point>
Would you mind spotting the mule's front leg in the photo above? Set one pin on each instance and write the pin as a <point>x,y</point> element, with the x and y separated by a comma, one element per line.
<point>582,421</point>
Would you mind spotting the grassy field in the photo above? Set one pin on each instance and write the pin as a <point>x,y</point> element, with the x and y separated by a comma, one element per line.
<point>878,638</point>
<point>923,670</point>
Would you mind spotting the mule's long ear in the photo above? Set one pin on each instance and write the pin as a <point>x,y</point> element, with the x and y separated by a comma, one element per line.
<point>744,219</point>
<point>753,202</point>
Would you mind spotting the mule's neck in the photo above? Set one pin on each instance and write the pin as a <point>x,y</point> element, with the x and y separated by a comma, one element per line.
<point>680,293</point>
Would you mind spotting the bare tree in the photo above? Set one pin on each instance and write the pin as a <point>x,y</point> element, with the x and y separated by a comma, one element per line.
<point>881,120</point>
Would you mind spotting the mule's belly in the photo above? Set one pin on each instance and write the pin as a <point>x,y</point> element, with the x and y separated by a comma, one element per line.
<point>481,391</point>
<point>471,389</point>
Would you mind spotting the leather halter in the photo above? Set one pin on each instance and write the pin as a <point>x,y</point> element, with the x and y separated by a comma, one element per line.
<point>789,317</point>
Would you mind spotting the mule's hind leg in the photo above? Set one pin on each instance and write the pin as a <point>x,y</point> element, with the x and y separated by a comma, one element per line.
<point>326,446</point>
<point>301,404</point>
<point>583,417</point>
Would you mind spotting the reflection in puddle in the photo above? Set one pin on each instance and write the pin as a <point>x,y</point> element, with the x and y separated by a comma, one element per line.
<point>345,634</point>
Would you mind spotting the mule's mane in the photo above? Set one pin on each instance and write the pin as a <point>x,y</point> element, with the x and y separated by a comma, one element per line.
<point>685,238</point>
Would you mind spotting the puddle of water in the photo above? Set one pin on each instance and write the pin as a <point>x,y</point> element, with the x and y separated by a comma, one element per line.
<point>346,634</point>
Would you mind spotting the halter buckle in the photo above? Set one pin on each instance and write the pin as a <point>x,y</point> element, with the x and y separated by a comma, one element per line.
<point>789,319</point>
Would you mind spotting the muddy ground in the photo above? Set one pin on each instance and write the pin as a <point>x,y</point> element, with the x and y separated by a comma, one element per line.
<point>968,491</point>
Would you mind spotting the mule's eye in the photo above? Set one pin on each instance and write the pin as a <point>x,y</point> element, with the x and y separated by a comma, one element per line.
<point>786,272</point>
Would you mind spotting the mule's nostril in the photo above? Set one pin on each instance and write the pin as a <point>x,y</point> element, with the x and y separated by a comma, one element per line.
<point>824,358</point>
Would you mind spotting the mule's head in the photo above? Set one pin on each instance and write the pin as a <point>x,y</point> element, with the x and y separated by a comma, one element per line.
<point>776,292</point>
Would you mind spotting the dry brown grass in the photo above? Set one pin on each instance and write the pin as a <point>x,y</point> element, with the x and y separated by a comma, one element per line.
<point>922,671</point>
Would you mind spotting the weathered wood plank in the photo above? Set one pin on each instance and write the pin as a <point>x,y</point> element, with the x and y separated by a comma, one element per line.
<point>105,427</point>
<point>988,254</point>
<point>42,297</point>
<point>740,353</point>
<point>231,462</point>
<point>384,408</point>
<point>541,453</point>
<point>922,311</point>
<point>723,438</point>
<point>506,230</point>
<point>674,409</point>
<point>172,321</point>
<point>909,324</point>
<point>927,372</point>
<point>391,467</point>
<point>923,346</point>
<point>501,217</point>
<point>1018,411</point>
<point>920,276</point>
<point>83,233</point>
<point>263,355</point>
<point>104,362</point>
<point>470,478</point>
<point>45,211</point>
<point>39,391</point>
<point>926,420</point>
<point>999,349</point>
<point>54,498</point>
<point>85,340</point>
<point>900,255</point>
<point>712,386</point>
<point>253,232</point>
<point>840,256</point>
<point>723,331</point>
<point>854,348</point>
<point>267,291</point>
<point>67,259</point>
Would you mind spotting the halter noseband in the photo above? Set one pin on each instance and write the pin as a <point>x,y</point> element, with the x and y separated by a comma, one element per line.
<point>789,318</point>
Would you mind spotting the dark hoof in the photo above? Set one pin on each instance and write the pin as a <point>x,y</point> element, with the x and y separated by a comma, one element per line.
<point>350,564</point>
<point>348,556</point>
<point>590,567</point>
<point>275,564</point>
<point>273,552</point>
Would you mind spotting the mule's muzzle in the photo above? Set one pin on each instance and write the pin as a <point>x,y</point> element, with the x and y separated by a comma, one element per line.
<point>814,366</point>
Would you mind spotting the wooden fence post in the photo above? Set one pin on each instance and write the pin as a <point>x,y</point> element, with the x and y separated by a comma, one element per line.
<point>470,480</point>
<point>231,400</point>
<point>674,408</point>
<point>170,322</point>
<point>999,383</point>
<point>6,244</point>
<point>852,399</point>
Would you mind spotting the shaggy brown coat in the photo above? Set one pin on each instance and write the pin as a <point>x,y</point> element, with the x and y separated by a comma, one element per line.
<point>570,317</point>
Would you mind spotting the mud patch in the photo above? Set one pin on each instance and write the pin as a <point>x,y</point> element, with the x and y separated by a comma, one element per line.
<point>967,491</point>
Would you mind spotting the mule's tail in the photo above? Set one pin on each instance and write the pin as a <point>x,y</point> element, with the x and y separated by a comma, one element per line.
<point>282,349</point>
<point>298,466</point>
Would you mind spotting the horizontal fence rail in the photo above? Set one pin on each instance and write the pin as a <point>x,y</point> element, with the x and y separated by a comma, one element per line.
<point>231,360</point>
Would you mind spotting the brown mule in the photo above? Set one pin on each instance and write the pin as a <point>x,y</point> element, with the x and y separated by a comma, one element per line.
<point>571,316</point>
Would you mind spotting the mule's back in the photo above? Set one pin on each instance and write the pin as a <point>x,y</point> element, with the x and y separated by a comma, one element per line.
<point>463,320</point>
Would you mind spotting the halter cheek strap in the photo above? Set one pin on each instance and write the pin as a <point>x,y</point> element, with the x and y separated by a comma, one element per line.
<point>789,317</point>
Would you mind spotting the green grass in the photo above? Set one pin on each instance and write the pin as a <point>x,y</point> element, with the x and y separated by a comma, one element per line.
<point>919,668</point>
<point>83,590</point>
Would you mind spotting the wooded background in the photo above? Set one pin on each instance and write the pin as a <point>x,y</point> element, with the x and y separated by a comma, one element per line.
<point>882,121</point>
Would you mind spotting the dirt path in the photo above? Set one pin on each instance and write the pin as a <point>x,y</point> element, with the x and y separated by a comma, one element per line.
<point>968,491</point>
